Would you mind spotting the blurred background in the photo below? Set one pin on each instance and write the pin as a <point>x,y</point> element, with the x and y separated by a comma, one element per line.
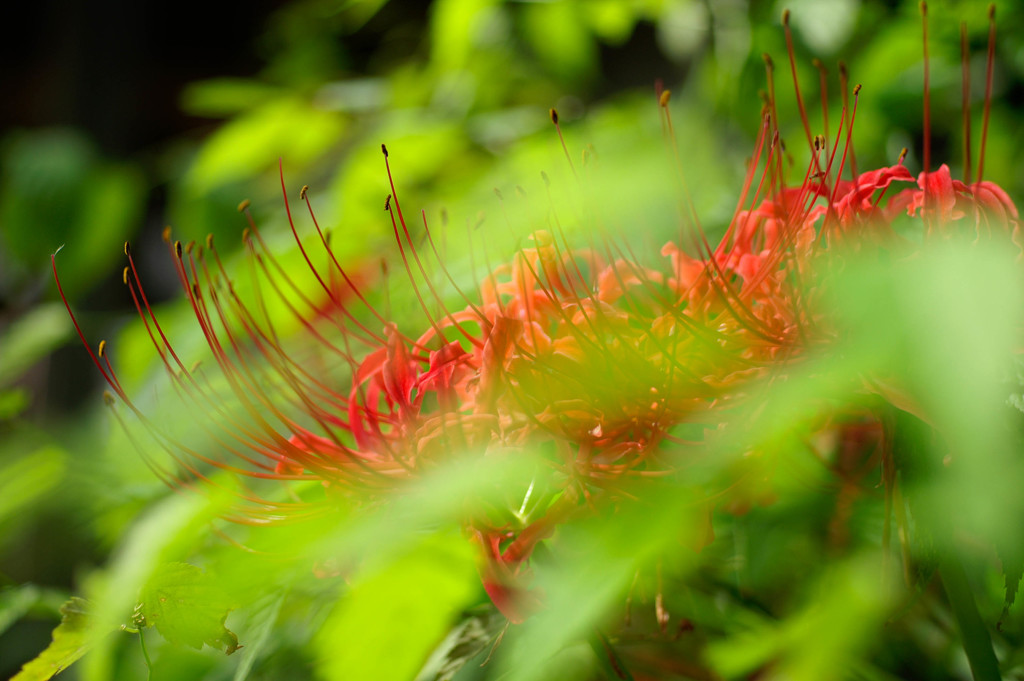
<point>122,117</point>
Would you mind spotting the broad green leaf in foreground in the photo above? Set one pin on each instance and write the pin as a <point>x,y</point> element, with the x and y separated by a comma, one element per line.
<point>386,626</point>
<point>70,642</point>
<point>186,605</point>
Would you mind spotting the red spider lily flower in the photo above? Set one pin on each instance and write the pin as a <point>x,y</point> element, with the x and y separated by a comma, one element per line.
<point>592,355</point>
<point>586,350</point>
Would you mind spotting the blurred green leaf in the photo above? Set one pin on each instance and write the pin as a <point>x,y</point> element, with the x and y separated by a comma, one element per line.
<point>819,641</point>
<point>393,616</point>
<point>468,639</point>
<point>70,642</point>
<point>973,630</point>
<point>456,26</point>
<point>225,96</point>
<point>169,529</point>
<point>560,38</point>
<point>262,620</point>
<point>12,403</point>
<point>187,606</point>
<point>288,128</point>
<point>28,478</point>
<point>611,20</point>
<point>15,602</point>
<point>57,190</point>
<point>31,338</point>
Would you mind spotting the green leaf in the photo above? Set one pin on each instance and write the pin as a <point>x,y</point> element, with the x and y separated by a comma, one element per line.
<point>250,144</point>
<point>401,609</point>
<point>29,477</point>
<point>455,27</point>
<point>829,633</point>
<point>70,642</point>
<point>1011,557</point>
<point>15,602</point>
<point>467,640</point>
<point>186,605</point>
<point>12,403</point>
<point>169,529</point>
<point>976,639</point>
<point>31,338</point>
<point>225,96</point>
<point>262,621</point>
<point>560,38</point>
<point>55,190</point>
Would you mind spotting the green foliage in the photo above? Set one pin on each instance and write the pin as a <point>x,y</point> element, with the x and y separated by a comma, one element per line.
<point>71,640</point>
<point>839,618</point>
<point>57,190</point>
<point>801,578</point>
<point>250,143</point>
<point>404,606</point>
<point>17,601</point>
<point>263,620</point>
<point>31,338</point>
<point>29,477</point>
<point>186,606</point>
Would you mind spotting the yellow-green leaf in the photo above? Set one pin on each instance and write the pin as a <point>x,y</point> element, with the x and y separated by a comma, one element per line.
<point>70,642</point>
<point>186,605</point>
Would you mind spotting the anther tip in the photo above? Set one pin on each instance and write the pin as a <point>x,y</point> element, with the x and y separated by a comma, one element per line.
<point>856,89</point>
<point>666,95</point>
<point>124,276</point>
<point>384,150</point>
<point>992,12</point>
<point>497,192</point>
<point>387,203</point>
<point>554,115</point>
<point>127,249</point>
<point>244,205</point>
<point>177,248</point>
<point>108,398</point>
<point>924,7</point>
<point>209,241</point>
<point>785,17</point>
<point>102,348</point>
<point>303,192</point>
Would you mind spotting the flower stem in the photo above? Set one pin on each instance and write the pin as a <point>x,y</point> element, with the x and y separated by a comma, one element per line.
<point>145,655</point>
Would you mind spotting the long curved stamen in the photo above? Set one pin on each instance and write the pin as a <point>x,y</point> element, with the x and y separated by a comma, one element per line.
<point>989,68</point>
<point>796,82</point>
<point>927,142</point>
<point>965,59</point>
